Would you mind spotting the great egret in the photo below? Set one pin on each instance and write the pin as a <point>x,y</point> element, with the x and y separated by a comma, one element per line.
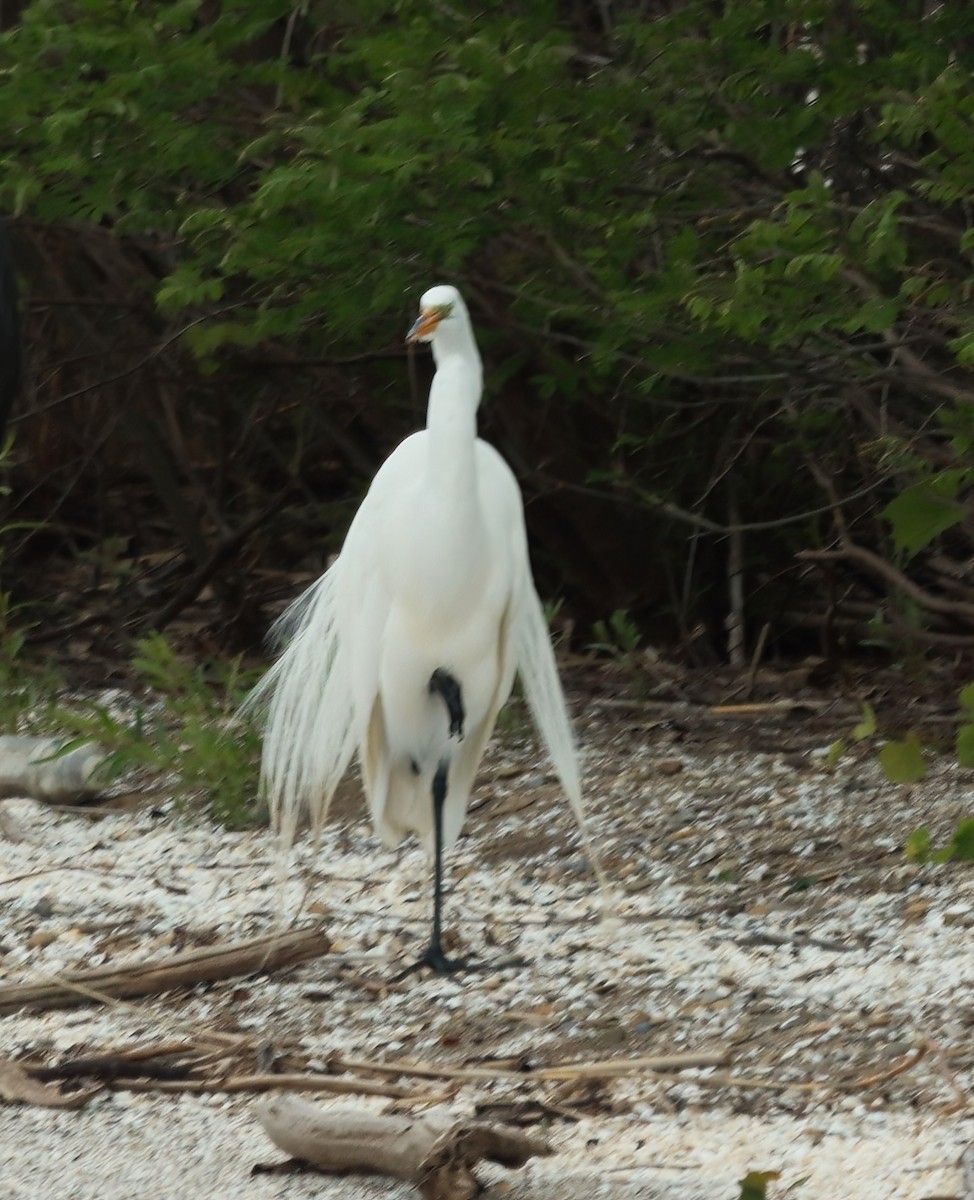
<point>407,647</point>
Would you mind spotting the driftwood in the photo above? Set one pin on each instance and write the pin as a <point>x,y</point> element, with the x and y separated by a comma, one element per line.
<point>437,1151</point>
<point>29,770</point>
<point>223,961</point>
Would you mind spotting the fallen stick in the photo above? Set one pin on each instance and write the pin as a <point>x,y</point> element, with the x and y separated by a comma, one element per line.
<point>604,1069</point>
<point>248,957</point>
<point>435,1152</point>
<point>108,1068</point>
<point>626,1066</point>
<point>757,708</point>
<point>905,1063</point>
<point>767,1085</point>
<point>333,1084</point>
<point>183,1066</point>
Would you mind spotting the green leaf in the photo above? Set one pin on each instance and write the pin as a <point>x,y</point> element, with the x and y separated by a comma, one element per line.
<point>902,762</point>
<point>966,697</point>
<point>961,845</point>
<point>835,752</point>
<point>867,726</point>
<point>963,348</point>
<point>965,745</point>
<point>922,512</point>
<point>754,1185</point>
<point>917,846</point>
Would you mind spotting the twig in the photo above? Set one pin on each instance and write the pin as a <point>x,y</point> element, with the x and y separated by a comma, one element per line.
<point>719,1079</point>
<point>734,622</point>
<point>626,1066</point>
<point>227,547</point>
<point>585,1070</point>
<point>268,1082</point>
<point>756,659</point>
<point>109,1067</point>
<point>756,709</point>
<point>223,961</point>
<point>879,566</point>
<point>960,1097</point>
<point>905,1063</point>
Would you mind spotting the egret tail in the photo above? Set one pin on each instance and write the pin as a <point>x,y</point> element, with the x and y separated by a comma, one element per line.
<point>308,735</point>
<point>538,673</point>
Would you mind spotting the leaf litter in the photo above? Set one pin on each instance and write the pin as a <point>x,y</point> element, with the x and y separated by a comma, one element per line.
<point>777,991</point>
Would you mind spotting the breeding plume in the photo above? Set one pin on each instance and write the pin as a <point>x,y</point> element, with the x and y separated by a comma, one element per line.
<point>406,649</point>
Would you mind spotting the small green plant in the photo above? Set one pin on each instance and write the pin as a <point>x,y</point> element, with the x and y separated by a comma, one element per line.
<point>864,729</point>
<point>964,745</point>
<point>193,732</point>
<point>618,637</point>
<point>902,761</point>
<point>918,847</point>
<point>26,687</point>
<point>754,1185</point>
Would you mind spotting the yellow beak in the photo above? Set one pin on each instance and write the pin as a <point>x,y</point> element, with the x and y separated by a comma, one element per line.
<point>425,325</point>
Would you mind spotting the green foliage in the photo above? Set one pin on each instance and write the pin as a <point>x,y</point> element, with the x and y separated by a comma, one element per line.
<point>919,849</point>
<point>902,761</point>
<point>964,745</point>
<point>728,242</point>
<point>422,133</point>
<point>191,732</point>
<point>754,1185</point>
<point>865,728</point>
<point>918,846</point>
<point>618,637</point>
<point>26,686</point>
<point>922,511</point>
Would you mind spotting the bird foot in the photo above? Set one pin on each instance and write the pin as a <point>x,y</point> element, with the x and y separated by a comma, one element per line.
<point>434,959</point>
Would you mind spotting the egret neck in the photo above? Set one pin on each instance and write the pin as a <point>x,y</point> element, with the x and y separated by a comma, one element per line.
<point>451,419</point>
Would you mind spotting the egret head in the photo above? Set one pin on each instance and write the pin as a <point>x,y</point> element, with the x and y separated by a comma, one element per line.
<point>439,304</point>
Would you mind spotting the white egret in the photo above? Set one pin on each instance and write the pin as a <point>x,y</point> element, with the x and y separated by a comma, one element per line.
<point>407,647</point>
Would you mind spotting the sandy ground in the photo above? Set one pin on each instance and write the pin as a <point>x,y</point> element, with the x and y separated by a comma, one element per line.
<point>763,911</point>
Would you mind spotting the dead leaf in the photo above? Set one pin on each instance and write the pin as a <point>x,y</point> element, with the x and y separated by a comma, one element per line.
<point>17,1087</point>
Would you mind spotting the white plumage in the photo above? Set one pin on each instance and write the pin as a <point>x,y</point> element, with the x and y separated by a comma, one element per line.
<point>417,629</point>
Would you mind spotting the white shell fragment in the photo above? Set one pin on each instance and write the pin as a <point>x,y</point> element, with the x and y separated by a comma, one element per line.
<point>765,911</point>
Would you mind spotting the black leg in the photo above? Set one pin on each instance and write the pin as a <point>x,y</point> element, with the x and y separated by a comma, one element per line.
<point>442,683</point>
<point>433,957</point>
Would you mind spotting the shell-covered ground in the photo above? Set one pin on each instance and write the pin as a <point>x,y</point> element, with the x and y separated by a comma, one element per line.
<point>811,988</point>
